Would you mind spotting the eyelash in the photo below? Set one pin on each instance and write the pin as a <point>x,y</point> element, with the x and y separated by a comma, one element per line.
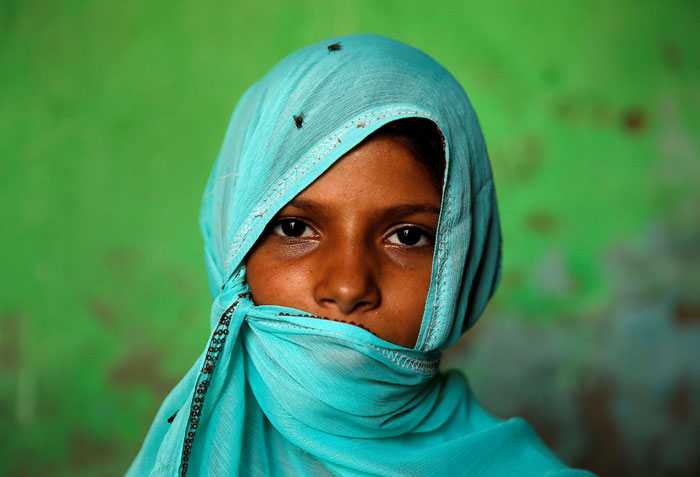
<point>277,226</point>
<point>424,239</point>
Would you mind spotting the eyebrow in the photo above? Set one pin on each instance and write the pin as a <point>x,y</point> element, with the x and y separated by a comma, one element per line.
<point>401,210</point>
<point>306,205</point>
<point>410,209</point>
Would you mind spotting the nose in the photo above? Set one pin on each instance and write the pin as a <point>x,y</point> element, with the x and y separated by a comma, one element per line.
<point>347,280</point>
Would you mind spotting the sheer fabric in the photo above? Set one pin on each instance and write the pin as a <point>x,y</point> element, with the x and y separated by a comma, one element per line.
<point>279,392</point>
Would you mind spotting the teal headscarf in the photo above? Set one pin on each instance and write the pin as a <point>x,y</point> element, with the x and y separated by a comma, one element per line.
<point>279,392</point>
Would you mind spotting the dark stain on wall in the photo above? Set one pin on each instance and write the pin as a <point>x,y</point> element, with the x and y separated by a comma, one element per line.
<point>671,56</point>
<point>603,453</point>
<point>11,323</point>
<point>541,222</point>
<point>687,313</point>
<point>634,120</point>
<point>102,312</point>
<point>140,367</point>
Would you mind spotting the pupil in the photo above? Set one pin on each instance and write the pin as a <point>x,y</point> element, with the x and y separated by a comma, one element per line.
<point>293,228</point>
<point>409,236</point>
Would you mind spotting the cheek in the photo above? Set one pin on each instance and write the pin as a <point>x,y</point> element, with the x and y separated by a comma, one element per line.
<point>405,291</point>
<point>273,281</point>
<point>411,281</point>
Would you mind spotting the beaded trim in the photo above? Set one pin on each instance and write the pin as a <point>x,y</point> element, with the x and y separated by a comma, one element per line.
<point>217,344</point>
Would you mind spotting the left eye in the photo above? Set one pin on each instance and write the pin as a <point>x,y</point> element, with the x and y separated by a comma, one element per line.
<point>292,228</point>
<point>411,236</point>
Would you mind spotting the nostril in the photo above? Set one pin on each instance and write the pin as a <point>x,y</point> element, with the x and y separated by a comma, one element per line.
<point>348,299</point>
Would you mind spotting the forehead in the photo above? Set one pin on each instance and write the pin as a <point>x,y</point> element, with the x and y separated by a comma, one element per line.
<point>381,172</point>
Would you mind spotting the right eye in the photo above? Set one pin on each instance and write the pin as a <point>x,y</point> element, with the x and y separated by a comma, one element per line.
<point>409,236</point>
<point>292,228</point>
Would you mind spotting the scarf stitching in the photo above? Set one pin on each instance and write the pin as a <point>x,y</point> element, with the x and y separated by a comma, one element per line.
<point>398,358</point>
<point>395,356</point>
<point>406,361</point>
<point>330,143</point>
<point>440,278</point>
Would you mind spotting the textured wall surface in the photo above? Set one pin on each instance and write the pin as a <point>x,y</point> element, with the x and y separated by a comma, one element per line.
<point>111,115</point>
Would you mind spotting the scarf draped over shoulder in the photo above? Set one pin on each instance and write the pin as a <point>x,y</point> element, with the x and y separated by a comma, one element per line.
<point>278,392</point>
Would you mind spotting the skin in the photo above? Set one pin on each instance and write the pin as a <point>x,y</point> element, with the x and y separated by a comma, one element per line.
<point>356,245</point>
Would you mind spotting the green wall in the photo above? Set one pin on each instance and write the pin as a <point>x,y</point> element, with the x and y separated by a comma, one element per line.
<point>111,114</point>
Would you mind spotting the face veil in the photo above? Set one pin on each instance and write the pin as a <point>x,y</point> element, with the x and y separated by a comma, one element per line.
<point>279,392</point>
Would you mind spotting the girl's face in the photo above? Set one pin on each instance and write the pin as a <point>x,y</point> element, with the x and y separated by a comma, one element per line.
<point>356,245</point>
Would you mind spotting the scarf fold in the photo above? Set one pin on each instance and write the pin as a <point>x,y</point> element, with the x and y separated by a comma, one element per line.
<point>277,391</point>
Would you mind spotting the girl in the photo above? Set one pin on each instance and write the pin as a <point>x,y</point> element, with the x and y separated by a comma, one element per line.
<point>351,234</point>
